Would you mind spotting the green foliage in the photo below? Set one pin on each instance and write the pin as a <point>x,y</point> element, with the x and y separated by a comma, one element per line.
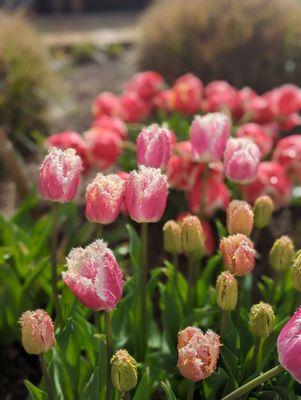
<point>25,78</point>
<point>83,53</point>
<point>260,38</point>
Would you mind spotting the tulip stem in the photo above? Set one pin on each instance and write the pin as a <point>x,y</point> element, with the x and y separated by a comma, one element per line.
<point>257,355</point>
<point>109,342</point>
<point>190,391</point>
<point>175,261</point>
<point>224,319</point>
<point>246,388</point>
<point>54,245</point>
<point>46,377</point>
<point>204,191</point>
<point>143,288</point>
<point>191,283</point>
<point>126,396</point>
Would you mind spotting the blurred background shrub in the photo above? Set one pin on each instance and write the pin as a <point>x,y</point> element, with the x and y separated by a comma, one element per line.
<point>25,78</point>
<point>256,43</point>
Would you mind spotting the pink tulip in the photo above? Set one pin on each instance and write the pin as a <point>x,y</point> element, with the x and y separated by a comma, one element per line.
<point>289,346</point>
<point>241,160</point>
<point>135,109</point>
<point>111,124</point>
<point>258,109</point>
<point>146,84</point>
<point>94,276</point>
<point>285,100</point>
<point>104,147</point>
<point>154,147</point>
<point>37,331</point>
<point>146,194</point>
<point>60,174</point>
<point>209,135</point>
<point>271,180</point>
<point>163,101</point>
<point>104,197</point>
<point>186,94</point>
<point>258,135</point>
<point>288,154</point>
<point>198,353</point>
<point>107,103</point>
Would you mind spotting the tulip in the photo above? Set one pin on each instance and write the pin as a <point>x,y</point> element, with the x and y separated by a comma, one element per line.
<point>192,236</point>
<point>104,197</point>
<point>285,100</point>
<point>60,174</point>
<point>94,276</point>
<point>288,154</point>
<point>70,139</point>
<point>209,135</point>
<point>114,124</point>
<point>146,194</point>
<point>104,147</point>
<point>241,160</point>
<point>258,135</point>
<point>226,291</point>
<point>107,104</point>
<point>262,319</point>
<point>198,353</point>
<point>282,254</point>
<point>123,371</point>
<point>296,271</point>
<point>172,237</point>
<point>238,254</point>
<point>135,108</point>
<point>271,180</point>
<point>240,218</point>
<point>263,211</point>
<point>146,84</point>
<point>289,346</point>
<point>154,147</point>
<point>186,94</point>
<point>37,331</point>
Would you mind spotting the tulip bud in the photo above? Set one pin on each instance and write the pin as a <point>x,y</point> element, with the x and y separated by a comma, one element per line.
<point>37,331</point>
<point>262,319</point>
<point>193,242</point>
<point>238,254</point>
<point>172,237</point>
<point>123,371</point>
<point>239,218</point>
<point>197,353</point>
<point>263,211</point>
<point>282,253</point>
<point>59,175</point>
<point>296,271</point>
<point>226,291</point>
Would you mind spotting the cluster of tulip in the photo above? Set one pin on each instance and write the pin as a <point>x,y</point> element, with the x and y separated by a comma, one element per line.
<point>198,166</point>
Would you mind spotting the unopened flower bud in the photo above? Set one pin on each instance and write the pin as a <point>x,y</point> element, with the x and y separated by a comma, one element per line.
<point>37,331</point>
<point>296,271</point>
<point>282,254</point>
<point>239,218</point>
<point>172,237</point>
<point>263,211</point>
<point>262,319</point>
<point>226,291</point>
<point>123,371</point>
<point>193,242</point>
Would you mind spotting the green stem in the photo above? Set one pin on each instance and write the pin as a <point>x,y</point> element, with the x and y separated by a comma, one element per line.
<point>109,342</point>
<point>257,354</point>
<point>224,319</point>
<point>99,231</point>
<point>54,277</point>
<point>46,377</point>
<point>190,391</point>
<point>175,261</point>
<point>204,191</point>
<point>191,283</point>
<point>246,388</point>
<point>126,396</point>
<point>143,288</point>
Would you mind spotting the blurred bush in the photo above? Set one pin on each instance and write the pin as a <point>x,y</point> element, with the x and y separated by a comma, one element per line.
<point>247,42</point>
<point>25,78</point>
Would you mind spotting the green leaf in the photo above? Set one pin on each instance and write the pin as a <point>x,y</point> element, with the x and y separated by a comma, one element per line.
<point>144,389</point>
<point>168,391</point>
<point>34,392</point>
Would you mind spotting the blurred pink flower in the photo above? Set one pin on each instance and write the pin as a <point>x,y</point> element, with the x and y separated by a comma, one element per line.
<point>288,154</point>
<point>258,135</point>
<point>114,124</point>
<point>146,84</point>
<point>186,94</point>
<point>135,109</point>
<point>107,103</point>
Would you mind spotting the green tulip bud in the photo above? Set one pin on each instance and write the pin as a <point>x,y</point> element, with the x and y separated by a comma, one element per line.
<point>123,371</point>
<point>172,237</point>
<point>193,241</point>
<point>263,211</point>
<point>296,271</point>
<point>226,291</point>
<point>282,253</point>
<point>262,319</point>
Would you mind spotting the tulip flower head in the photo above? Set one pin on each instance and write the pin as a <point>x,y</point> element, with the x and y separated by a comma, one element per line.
<point>154,147</point>
<point>226,291</point>
<point>94,276</point>
<point>263,211</point>
<point>289,346</point>
<point>262,319</point>
<point>172,237</point>
<point>37,331</point>
<point>240,218</point>
<point>241,160</point>
<point>209,135</point>
<point>104,197</point>
<point>198,353</point>
<point>123,371</point>
<point>146,194</point>
<point>238,254</point>
<point>282,253</point>
<point>60,174</point>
